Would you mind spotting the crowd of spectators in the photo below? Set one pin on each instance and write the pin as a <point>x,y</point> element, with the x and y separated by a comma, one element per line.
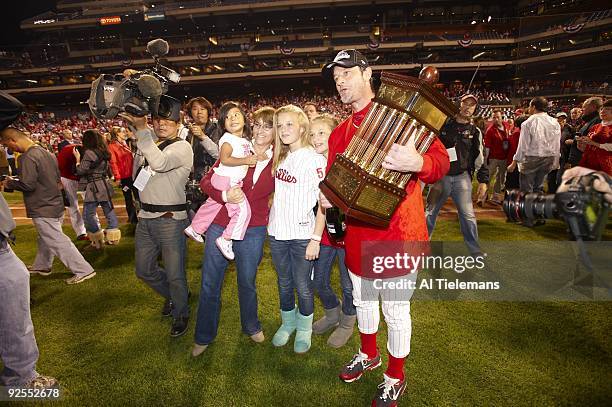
<point>560,87</point>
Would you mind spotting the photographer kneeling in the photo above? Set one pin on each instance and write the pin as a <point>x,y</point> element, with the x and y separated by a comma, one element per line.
<point>162,165</point>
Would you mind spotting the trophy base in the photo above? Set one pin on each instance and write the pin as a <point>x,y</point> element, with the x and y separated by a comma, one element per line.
<point>359,194</point>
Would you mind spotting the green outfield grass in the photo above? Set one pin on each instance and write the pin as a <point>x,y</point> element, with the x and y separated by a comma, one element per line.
<point>108,345</point>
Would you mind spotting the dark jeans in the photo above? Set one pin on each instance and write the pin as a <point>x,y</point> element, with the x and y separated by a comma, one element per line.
<point>551,180</point>
<point>130,194</point>
<point>322,279</point>
<point>249,253</point>
<point>293,272</point>
<point>512,180</point>
<point>165,236</point>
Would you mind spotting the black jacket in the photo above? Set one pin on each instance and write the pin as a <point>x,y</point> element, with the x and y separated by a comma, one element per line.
<point>567,133</point>
<point>467,139</point>
<point>202,161</point>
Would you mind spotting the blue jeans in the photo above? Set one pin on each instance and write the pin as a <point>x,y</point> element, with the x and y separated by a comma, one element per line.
<point>89,216</point>
<point>165,236</point>
<point>293,272</point>
<point>459,188</point>
<point>322,279</point>
<point>249,253</point>
<point>17,343</point>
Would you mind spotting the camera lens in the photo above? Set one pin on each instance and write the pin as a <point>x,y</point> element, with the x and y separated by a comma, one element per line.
<point>519,206</point>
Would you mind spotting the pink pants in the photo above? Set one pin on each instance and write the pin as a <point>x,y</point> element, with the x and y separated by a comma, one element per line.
<point>239,214</point>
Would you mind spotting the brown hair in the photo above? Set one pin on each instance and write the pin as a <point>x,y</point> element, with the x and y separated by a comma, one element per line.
<point>265,114</point>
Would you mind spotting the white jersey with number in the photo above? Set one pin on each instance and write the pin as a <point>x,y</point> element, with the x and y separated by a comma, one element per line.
<point>296,192</point>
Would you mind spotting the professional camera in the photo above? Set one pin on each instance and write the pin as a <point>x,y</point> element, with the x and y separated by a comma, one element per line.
<point>194,195</point>
<point>138,94</point>
<point>584,209</point>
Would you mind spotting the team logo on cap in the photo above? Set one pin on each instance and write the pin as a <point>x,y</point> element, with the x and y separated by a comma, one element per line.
<point>342,55</point>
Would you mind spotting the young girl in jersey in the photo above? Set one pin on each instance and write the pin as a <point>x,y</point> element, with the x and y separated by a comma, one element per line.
<point>297,170</point>
<point>339,315</point>
<point>235,156</point>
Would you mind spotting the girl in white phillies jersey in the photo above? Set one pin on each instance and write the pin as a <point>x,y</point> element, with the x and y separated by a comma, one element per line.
<point>298,169</point>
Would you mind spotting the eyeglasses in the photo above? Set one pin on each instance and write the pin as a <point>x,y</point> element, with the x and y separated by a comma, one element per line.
<point>262,126</point>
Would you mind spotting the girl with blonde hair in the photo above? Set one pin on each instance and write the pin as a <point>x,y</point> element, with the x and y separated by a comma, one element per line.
<point>297,170</point>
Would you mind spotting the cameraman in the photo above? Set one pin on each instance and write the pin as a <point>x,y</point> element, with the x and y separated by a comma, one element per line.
<point>163,162</point>
<point>202,136</point>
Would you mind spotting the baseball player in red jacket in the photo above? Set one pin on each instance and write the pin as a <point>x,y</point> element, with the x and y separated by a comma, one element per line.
<point>352,74</point>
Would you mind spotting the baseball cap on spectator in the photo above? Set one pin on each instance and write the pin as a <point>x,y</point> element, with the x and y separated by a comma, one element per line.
<point>347,58</point>
<point>561,114</point>
<point>468,96</point>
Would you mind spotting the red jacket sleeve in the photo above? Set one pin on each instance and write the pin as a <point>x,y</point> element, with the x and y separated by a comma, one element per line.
<point>435,163</point>
<point>487,137</point>
<point>113,162</point>
<point>208,189</point>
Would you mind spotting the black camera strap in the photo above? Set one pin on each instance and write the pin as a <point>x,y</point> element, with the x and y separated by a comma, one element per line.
<point>161,146</point>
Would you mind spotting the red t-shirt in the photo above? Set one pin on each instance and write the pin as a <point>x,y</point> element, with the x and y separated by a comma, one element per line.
<point>494,141</point>
<point>408,221</point>
<point>597,158</point>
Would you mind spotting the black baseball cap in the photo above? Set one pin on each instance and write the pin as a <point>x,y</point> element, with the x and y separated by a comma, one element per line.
<point>347,58</point>
<point>169,108</point>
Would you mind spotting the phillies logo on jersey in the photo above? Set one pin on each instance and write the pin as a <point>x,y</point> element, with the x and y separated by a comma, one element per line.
<point>283,175</point>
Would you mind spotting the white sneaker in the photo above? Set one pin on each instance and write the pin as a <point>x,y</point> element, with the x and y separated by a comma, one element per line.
<point>226,247</point>
<point>192,234</point>
<point>78,280</point>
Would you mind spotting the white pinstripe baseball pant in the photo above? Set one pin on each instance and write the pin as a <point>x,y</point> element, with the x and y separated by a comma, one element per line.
<point>395,307</point>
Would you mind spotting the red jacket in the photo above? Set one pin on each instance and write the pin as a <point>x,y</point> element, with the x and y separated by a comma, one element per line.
<point>258,195</point>
<point>494,140</point>
<point>597,158</point>
<point>67,163</point>
<point>408,221</point>
<point>121,160</point>
<point>514,142</point>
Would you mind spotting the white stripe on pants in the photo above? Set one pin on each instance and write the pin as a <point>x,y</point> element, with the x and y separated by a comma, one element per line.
<point>70,186</point>
<point>53,242</point>
<point>395,307</point>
